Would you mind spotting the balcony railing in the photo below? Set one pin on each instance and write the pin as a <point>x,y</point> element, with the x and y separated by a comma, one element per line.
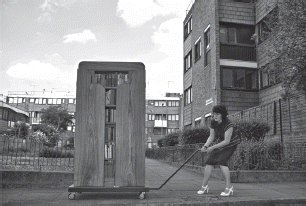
<point>160,123</point>
<point>238,52</point>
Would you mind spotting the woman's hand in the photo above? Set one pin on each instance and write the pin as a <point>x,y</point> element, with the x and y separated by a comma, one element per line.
<point>209,149</point>
<point>203,149</point>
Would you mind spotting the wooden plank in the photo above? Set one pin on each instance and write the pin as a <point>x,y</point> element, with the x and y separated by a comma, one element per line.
<point>130,124</point>
<point>89,137</point>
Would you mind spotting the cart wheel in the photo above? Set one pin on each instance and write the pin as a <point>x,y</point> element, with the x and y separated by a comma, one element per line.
<point>71,196</point>
<point>142,195</point>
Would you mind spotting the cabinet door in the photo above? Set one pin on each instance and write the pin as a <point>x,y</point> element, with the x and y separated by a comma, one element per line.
<point>130,123</point>
<point>89,136</point>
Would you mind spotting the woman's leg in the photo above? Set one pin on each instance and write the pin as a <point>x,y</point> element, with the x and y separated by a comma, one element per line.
<point>226,174</point>
<point>207,172</point>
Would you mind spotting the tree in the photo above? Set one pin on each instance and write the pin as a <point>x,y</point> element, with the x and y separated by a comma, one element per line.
<point>286,45</point>
<point>56,116</point>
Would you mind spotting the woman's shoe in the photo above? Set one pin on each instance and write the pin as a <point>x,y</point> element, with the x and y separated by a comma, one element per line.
<point>203,189</point>
<point>228,192</point>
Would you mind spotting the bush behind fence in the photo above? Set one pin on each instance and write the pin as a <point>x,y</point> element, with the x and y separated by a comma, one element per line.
<point>35,154</point>
<point>248,156</point>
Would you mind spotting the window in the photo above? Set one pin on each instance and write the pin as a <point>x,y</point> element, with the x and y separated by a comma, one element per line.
<point>268,79</point>
<point>32,100</point>
<point>208,119</point>
<point>197,123</point>
<point>172,130</point>
<point>70,101</point>
<point>160,104</point>
<point>197,50</point>
<point>151,117</point>
<point>38,101</point>
<point>5,114</point>
<point>173,117</point>
<point>206,46</point>
<point>239,78</point>
<point>151,102</point>
<point>188,27</point>
<point>160,130</point>
<point>173,103</point>
<point>236,33</point>
<point>160,117</point>
<point>188,96</point>
<point>50,101</point>
<point>266,24</point>
<point>187,61</point>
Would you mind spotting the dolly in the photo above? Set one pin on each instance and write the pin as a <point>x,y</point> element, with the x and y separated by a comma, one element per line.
<point>141,190</point>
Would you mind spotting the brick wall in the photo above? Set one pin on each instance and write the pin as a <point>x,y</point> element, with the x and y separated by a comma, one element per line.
<point>285,117</point>
<point>204,78</point>
<point>263,7</point>
<point>237,12</point>
<point>239,100</point>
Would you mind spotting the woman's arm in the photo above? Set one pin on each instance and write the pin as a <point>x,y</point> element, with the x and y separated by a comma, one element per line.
<point>209,140</point>
<point>226,141</point>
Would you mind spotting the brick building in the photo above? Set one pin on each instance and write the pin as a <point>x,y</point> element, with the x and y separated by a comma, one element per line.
<point>163,116</point>
<point>223,60</point>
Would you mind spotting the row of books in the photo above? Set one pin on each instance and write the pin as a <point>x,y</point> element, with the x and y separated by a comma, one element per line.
<point>112,79</point>
<point>110,97</point>
<point>110,134</point>
<point>108,151</point>
<point>110,115</point>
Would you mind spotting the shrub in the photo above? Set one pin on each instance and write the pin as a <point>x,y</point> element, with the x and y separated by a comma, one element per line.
<point>55,153</point>
<point>251,130</point>
<point>70,143</point>
<point>170,140</point>
<point>194,136</point>
<point>51,133</point>
<point>258,155</point>
<point>21,129</point>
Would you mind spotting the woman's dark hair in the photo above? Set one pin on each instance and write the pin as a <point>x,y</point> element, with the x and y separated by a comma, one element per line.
<point>220,109</point>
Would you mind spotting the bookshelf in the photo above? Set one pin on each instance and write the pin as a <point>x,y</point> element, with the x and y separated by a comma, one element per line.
<point>110,122</point>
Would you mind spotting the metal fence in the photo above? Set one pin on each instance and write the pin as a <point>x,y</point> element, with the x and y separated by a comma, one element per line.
<point>248,156</point>
<point>18,153</point>
<point>35,154</point>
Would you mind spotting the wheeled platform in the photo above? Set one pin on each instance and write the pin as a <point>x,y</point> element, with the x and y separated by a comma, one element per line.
<point>141,190</point>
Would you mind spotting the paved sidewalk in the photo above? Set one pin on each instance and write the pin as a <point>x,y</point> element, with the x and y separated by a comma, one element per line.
<point>180,190</point>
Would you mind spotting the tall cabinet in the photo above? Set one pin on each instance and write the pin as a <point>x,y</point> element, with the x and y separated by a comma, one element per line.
<point>110,124</point>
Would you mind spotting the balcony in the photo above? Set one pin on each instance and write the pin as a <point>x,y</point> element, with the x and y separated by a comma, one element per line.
<point>160,123</point>
<point>244,52</point>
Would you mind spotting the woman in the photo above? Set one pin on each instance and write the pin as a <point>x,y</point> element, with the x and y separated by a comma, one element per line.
<point>222,129</point>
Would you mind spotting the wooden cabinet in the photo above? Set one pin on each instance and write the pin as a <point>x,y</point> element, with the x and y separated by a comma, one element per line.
<point>110,123</point>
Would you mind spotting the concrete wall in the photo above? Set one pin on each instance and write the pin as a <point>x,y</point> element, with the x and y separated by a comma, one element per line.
<point>36,179</point>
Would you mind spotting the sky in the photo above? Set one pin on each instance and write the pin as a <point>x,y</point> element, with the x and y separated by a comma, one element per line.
<point>43,41</point>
